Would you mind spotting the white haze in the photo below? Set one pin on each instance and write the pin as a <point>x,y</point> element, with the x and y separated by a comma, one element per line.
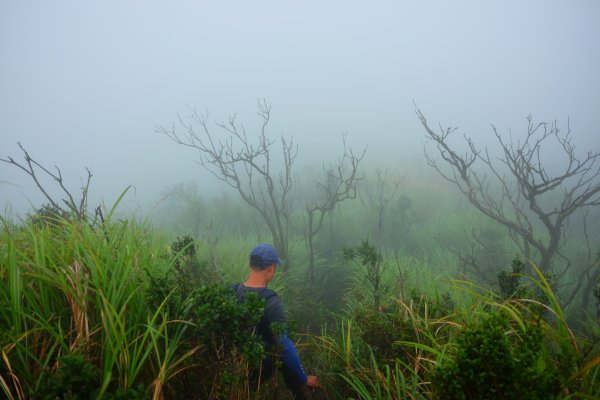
<point>85,84</point>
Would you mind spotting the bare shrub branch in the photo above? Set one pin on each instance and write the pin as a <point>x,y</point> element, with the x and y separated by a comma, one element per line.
<point>68,205</point>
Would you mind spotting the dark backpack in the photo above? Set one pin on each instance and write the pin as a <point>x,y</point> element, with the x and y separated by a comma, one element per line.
<point>263,328</point>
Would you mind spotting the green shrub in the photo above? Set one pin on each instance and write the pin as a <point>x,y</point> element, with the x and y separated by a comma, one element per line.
<point>224,325</point>
<point>74,379</point>
<point>176,285</point>
<point>492,360</point>
<point>221,328</point>
<point>385,330</point>
<point>510,282</point>
<point>47,215</point>
<point>368,258</point>
<point>77,379</point>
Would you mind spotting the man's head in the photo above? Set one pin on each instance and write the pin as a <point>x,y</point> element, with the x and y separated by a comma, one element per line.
<point>264,256</point>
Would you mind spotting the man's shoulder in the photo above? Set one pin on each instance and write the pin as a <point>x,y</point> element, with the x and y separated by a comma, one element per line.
<point>264,293</point>
<point>267,293</point>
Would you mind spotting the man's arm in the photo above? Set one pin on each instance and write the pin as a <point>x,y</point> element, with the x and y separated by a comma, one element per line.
<point>289,355</point>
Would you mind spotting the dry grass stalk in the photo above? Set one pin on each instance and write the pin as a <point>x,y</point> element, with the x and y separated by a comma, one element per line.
<point>77,299</point>
<point>16,384</point>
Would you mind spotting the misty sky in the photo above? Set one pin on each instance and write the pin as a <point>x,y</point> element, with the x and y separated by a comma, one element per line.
<point>85,84</point>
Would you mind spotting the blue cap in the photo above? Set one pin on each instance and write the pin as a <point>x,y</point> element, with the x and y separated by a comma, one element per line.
<point>263,256</point>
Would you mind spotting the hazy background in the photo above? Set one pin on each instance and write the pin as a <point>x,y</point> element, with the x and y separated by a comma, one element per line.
<point>85,84</point>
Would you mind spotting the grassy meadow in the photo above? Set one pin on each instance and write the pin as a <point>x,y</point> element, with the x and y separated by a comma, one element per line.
<point>138,309</point>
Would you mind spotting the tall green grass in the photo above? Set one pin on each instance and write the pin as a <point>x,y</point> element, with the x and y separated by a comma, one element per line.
<point>68,288</point>
<point>426,340</point>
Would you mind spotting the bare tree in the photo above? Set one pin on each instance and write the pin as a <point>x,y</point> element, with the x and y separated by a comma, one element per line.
<point>338,184</point>
<point>479,254</point>
<point>190,206</point>
<point>376,199</point>
<point>245,165</point>
<point>68,205</point>
<point>533,202</point>
<point>590,277</point>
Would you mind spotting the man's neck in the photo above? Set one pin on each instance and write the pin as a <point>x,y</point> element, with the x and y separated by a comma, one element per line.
<point>255,282</point>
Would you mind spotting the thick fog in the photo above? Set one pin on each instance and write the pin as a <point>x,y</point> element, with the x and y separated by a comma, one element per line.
<point>86,84</point>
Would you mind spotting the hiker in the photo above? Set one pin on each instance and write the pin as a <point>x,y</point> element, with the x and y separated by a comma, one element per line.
<point>263,264</point>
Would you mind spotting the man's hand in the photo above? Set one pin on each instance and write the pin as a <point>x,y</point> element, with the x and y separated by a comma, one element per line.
<point>312,381</point>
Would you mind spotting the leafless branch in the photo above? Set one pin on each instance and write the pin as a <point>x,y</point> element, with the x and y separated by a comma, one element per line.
<point>337,185</point>
<point>245,164</point>
<point>73,207</point>
<point>518,199</point>
<point>376,199</point>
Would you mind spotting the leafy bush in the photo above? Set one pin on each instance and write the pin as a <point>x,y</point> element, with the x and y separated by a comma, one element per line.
<point>47,215</point>
<point>385,329</point>
<point>221,329</point>
<point>510,283</point>
<point>511,287</point>
<point>76,379</point>
<point>177,284</point>
<point>224,325</point>
<point>493,360</point>
<point>370,260</point>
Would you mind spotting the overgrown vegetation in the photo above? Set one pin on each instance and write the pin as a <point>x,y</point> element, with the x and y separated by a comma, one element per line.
<point>115,313</point>
<point>419,298</point>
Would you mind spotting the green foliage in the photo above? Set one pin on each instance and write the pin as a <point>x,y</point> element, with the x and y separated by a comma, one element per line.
<point>426,306</point>
<point>188,268</point>
<point>387,329</point>
<point>223,325</point>
<point>70,287</point>
<point>47,214</point>
<point>220,331</point>
<point>512,287</point>
<point>510,283</point>
<point>175,285</point>
<point>77,379</point>
<point>219,328</point>
<point>366,254</point>
<point>133,393</point>
<point>383,382</point>
<point>185,246</point>
<point>494,360</point>
<point>382,330</point>
<point>370,261</point>
<point>74,379</point>
<point>351,370</point>
<point>146,317</point>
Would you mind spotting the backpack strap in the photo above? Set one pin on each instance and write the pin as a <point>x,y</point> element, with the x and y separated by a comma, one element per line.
<point>264,294</point>
<point>267,294</point>
<point>234,287</point>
